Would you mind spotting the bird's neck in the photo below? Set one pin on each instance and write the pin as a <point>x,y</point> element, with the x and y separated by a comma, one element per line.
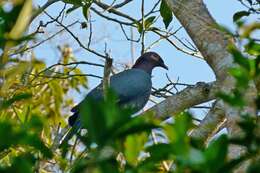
<point>145,67</point>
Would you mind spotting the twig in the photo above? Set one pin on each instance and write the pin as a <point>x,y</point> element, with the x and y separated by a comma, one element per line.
<point>132,45</point>
<point>143,30</point>
<point>112,10</point>
<point>122,4</point>
<point>71,63</point>
<point>76,38</point>
<point>110,18</point>
<point>127,38</point>
<point>73,149</point>
<point>41,9</point>
<point>177,47</point>
<point>90,31</point>
<point>58,136</point>
<point>43,41</point>
<point>107,71</point>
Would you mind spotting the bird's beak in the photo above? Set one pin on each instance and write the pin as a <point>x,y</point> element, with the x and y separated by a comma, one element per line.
<point>164,66</point>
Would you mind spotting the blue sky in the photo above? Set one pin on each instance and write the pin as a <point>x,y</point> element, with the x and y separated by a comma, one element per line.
<point>182,66</point>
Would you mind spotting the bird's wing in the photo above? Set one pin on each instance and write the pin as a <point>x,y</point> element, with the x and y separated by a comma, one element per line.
<point>95,94</point>
<point>129,85</point>
<point>132,87</point>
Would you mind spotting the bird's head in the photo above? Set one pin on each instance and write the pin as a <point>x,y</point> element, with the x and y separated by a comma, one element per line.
<point>148,61</point>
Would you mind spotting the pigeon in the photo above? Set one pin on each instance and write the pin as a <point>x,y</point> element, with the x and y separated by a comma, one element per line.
<point>132,87</point>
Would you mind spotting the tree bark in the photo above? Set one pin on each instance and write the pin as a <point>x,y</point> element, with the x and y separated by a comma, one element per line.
<point>190,96</point>
<point>213,44</point>
<point>211,123</point>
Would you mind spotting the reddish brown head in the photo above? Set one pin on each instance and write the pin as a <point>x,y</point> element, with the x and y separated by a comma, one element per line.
<point>148,61</point>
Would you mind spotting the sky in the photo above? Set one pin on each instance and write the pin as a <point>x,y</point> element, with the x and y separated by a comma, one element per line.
<point>182,67</point>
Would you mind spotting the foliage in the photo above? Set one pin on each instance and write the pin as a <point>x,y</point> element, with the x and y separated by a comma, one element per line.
<point>166,13</point>
<point>32,97</point>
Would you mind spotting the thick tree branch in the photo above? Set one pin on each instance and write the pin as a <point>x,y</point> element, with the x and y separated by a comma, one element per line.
<point>212,43</point>
<point>210,123</point>
<point>190,96</point>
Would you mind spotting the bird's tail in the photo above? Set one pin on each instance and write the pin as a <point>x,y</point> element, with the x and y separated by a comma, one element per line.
<point>75,127</point>
<point>73,118</point>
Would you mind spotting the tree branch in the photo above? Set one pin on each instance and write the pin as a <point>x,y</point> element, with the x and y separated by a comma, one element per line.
<point>213,44</point>
<point>106,76</point>
<point>210,123</point>
<point>190,96</point>
<point>41,9</point>
<point>76,38</point>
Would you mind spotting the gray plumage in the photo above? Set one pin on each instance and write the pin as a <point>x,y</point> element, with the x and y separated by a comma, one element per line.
<point>133,87</point>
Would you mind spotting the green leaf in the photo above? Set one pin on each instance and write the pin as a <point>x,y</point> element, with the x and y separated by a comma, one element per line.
<point>85,9</point>
<point>7,21</point>
<point>239,58</point>
<point>133,126</point>
<point>139,26</point>
<point>216,153</point>
<point>148,22</point>
<point>22,96</point>
<point>239,15</point>
<point>177,134</point>
<point>234,99</point>
<point>134,144</point>
<point>99,116</point>
<point>22,21</point>
<point>95,166</point>
<point>166,13</point>
<point>24,135</point>
<point>159,152</point>
<point>22,163</point>
<point>94,120</point>
<point>254,167</point>
<point>253,48</point>
<point>242,77</point>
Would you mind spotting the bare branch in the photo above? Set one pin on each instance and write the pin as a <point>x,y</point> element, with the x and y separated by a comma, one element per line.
<point>44,7</point>
<point>76,38</point>
<point>107,71</point>
<point>110,18</point>
<point>43,41</point>
<point>190,96</point>
<point>119,5</point>
<point>65,76</point>
<point>143,26</point>
<point>210,123</point>
<point>112,10</point>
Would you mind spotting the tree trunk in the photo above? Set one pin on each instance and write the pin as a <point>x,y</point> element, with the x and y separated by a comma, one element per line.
<point>212,43</point>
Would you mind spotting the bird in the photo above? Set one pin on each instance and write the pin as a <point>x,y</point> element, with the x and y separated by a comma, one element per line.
<point>132,87</point>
